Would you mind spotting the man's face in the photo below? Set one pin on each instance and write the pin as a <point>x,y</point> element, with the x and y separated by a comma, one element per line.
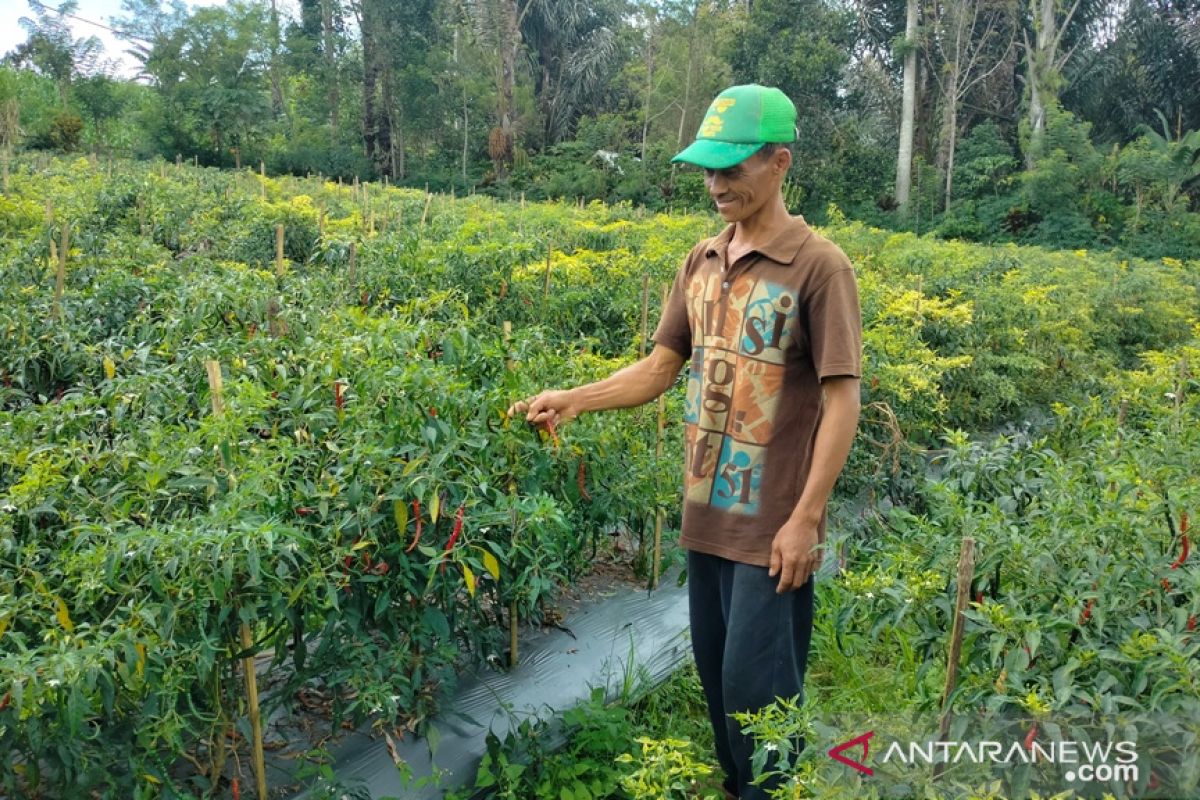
<point>741,190</point>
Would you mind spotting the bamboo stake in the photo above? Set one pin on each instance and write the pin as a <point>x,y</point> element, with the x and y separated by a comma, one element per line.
<point>178,161</point>
<point>279,250</point>
<point>645,313</point>
<point>321,222</point>
<point>658,451</point>
<point>353,264</point>
<point>428,200</point>
<point>60,277</point>
<point>546,284</point>
<point>260,765</point>
<point>513,622</point>
<point>966,569</point>
<point>216,388</point>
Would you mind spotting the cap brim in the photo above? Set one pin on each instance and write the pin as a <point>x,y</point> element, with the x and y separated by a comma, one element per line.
<point>712,154</point>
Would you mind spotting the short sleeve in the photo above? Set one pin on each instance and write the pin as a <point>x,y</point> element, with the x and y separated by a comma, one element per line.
<point>835,326</point>
<point>674,330</point>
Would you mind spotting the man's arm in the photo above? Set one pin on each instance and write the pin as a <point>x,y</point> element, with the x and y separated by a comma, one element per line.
<point>793,556</point>
<point>631,386</point>
<point>835,437</point>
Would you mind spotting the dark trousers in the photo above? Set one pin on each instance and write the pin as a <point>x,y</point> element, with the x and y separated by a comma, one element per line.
<point>751,646</point>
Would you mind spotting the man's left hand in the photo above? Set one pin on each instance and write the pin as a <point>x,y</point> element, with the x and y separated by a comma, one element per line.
<point>794,553</point>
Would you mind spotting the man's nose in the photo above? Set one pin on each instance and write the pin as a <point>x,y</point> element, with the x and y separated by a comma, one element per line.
<point>717,184</point>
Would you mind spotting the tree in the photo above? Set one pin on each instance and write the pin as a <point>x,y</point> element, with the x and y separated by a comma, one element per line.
<point>908,50</point>
<point>973,39</point>
<point>53,51</point>
<point>1057,31</point>
<point>398,38</point>
<point>574,48</point>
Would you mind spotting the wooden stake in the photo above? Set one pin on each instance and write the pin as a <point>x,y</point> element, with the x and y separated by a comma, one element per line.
<point>513,622</point>
<point>321,222</point>
<point>645,313</point>
<point>425,213</point>
<point>658,451</point>
<point>178,161</point>
<point>522,201</point>
<point>546,283</point>
<point>966,570</point>
<point>215,386</point>
<point>279,250</point>
<point>353,264</point>
<point>60,277</point>
<point>508,362</point>
<point>195,161</point>
<point>260,764</point>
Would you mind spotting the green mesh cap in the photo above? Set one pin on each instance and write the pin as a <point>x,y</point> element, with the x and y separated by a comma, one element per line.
<point>738,123</point>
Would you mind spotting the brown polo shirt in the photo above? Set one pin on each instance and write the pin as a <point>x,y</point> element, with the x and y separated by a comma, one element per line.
<point>760,335</point>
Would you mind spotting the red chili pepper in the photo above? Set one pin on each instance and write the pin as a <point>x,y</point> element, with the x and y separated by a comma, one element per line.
<point>1191,625</point>
<point>5,700</point>
<point>979,596</point>
<point>1177,563</point>
<point>380,568</point>
<point>1029,737</point>
<point>581,479</point>
<point>365,299</point>
<point>237,791</point>
<point>304,511</point>
<point>433,412</point>
<point>1166,584</point>
<point>552,429</point>
<point>365,560</point>
<point>1087,612</point>
<point>458,525</point>
<point>251,331</point>
<point>874,382</point>
<point>417,535</point>
<point>338,401</point>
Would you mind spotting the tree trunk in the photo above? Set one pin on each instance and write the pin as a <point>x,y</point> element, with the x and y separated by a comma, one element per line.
<point>649,88</point>
<point>1041,60</point>
<point>276,80</point>
<point>907,110</point>
<point>509,45</point>
<point>687,83</point>
<point>385,157</point>
<point>331,70</point>
<point>953,143</point>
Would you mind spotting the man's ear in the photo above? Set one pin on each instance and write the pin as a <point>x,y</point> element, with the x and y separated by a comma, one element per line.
<point>783,160</point>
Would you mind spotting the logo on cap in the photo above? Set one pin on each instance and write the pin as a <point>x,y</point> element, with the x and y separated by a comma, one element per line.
<point>713,123</point>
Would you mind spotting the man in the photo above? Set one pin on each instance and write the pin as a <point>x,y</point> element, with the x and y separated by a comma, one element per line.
<point>767,312</point>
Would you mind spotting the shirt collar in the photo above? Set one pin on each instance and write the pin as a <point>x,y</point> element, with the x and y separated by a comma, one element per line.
<point>782,249</point>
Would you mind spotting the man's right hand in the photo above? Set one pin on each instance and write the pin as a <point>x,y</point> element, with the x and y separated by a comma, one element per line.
<point>554,406</point>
